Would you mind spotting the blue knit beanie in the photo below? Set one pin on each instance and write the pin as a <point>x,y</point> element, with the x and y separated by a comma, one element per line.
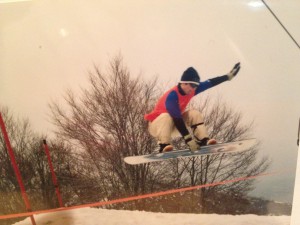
<point>190,75</point>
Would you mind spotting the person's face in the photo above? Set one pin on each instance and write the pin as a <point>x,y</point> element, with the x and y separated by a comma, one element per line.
<point>188,88</point>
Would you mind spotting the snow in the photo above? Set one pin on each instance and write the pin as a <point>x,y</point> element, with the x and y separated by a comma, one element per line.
<point>93,216</point>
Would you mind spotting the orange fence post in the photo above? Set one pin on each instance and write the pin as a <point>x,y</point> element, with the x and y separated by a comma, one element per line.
<point>16,169</point>
<point>54,179</point>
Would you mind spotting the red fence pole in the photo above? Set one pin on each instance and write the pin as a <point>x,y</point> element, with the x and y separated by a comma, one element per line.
<point>16,169</point>
<point>55,182</point>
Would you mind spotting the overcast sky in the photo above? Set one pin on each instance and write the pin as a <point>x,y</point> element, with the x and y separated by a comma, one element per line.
<point>47,47</point>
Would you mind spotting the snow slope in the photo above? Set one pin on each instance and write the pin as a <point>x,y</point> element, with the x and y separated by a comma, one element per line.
<point>92,216</point>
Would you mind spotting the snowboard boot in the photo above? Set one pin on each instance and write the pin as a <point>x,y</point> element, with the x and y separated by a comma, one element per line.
<point>165,148</point>
<point>207,141</point>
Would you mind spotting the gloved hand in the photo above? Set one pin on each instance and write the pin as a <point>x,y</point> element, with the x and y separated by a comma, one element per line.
<point>193,145</point>
<point>234,71</point>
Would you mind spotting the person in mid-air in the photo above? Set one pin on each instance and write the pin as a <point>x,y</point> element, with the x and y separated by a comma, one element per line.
<point>169,117</point>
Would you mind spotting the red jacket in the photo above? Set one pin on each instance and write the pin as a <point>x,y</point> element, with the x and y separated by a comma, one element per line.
<point>173,96</point>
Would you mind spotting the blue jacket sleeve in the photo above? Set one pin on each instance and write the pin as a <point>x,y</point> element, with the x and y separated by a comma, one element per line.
<point>211,83</point>
<point>172,105</point>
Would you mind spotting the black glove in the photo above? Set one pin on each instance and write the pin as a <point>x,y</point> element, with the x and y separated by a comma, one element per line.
<point>234,71</point>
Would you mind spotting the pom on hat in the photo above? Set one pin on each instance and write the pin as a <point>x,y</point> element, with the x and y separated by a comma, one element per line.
<point>190,75</point>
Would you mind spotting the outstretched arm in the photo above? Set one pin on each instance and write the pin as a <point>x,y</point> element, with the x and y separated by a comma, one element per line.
<point>218,80</point>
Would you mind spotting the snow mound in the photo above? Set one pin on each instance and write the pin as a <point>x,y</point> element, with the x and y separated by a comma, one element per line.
<point>92,216</point>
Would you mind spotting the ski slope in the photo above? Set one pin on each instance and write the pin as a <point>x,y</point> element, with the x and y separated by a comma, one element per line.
<point>93,216</point>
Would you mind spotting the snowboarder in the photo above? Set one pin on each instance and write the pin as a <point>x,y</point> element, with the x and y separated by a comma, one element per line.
<point>169,117</point>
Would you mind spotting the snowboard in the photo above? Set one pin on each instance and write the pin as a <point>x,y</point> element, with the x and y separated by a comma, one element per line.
<point>228,147</point>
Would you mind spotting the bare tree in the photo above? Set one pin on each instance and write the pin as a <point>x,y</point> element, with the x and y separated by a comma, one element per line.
<point>106,124</point>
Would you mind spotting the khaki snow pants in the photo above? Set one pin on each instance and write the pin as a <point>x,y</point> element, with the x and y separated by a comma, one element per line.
<point>163,127</point>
